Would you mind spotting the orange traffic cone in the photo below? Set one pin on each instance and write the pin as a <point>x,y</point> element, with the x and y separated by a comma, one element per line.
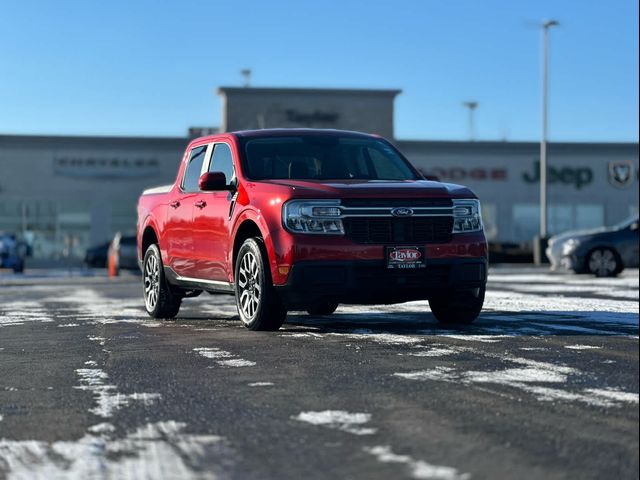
<point>112,268</point>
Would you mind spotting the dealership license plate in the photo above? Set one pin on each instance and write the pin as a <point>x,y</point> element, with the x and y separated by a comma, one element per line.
<point>405,257</point>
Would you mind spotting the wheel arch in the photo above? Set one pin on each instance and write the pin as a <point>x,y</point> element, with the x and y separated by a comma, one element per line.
<point>148,238</point>
<point>246,229</point>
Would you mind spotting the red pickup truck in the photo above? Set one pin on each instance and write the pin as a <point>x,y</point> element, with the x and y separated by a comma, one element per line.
<point>304,219</point>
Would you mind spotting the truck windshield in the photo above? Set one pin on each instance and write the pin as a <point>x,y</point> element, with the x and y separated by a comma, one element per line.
<point>324,158</point>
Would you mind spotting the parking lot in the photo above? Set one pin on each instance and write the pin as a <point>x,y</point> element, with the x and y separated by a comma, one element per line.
<point>543,385</point>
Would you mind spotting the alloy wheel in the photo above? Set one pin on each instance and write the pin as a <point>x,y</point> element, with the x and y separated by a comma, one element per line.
<point>151,282</point>
<point>603,263</point>
<point>249,284</point>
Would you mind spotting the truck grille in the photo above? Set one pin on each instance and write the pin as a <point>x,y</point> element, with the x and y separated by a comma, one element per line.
<point>436,229</point>
<point>397,202</point>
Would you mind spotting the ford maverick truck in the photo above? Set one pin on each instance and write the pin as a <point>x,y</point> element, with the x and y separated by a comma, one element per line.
<point>303,219</point>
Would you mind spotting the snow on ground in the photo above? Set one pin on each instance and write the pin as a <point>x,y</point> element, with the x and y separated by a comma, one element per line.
<point>339,420</point>
<point>154,450</point>
<point>417,468</point>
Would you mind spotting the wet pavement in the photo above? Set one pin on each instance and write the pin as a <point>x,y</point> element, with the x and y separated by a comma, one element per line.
<point>543,385</point>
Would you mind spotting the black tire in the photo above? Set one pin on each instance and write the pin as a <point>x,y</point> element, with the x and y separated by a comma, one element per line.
<point>159,300</point>
<point>258,304</point>
<point>326,307</point>
<point>458,307</point>
<point>603,262</point>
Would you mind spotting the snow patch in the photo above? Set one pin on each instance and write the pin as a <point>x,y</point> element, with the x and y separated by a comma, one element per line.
<point>613,394</point>
<point>66,325</point>
<point>261,384</point>
<point>158,450</point>
<point>418,468</point>
<point>223,358</point>
<point>102,428</point>
<point>437,373</point>
<point>582,347</point>
<point>534,378</point>
<point>107,398</point>
<point>339,420</point>
<point>22,311</point>
<point>236,362</point>
<point>478,338</point>
<point>435,351</point>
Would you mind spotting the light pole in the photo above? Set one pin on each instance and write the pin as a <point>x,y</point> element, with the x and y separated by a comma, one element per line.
<point>543,143</point>
<point>471,106</point>
<point>246,74</point>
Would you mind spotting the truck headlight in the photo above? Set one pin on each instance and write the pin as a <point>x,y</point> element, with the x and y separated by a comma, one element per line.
<point>466,216</point>
<point>313,216</point>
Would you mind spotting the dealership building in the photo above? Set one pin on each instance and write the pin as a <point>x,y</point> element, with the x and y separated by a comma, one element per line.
<point>63,194</point>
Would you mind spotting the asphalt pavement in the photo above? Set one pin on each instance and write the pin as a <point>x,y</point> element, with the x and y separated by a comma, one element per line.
<point>543,385</point>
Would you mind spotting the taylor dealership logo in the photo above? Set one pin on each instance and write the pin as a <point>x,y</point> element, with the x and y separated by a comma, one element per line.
<point>621,173</point>
<point>401,212</point>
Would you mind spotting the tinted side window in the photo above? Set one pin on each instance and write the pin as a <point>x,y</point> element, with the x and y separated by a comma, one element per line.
<point>192,174</point>
<point>222,161</point>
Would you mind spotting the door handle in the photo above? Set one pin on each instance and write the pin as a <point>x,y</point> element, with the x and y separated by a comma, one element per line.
<point>201,204</point>
<point>175,204</point>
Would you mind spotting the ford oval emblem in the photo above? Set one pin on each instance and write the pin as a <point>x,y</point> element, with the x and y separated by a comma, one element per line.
<point>401,212</point>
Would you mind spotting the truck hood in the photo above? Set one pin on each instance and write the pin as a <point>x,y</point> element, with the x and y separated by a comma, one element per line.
<point>373,188</point>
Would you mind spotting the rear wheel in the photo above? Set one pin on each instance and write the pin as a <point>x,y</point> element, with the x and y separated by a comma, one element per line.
<point>326,307</point>
<point>458,307</point>
<point>258,304</point>
<point>603,262</point>
<point>159,300</point>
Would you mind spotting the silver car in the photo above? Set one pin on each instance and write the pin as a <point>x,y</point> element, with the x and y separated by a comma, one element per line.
<point>603,252</point>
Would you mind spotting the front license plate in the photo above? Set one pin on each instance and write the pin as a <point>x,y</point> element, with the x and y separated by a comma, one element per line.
<point>406,257</point>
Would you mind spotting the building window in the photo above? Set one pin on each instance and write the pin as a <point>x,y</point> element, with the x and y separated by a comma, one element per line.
<point>560,218</point>
<point>490,220</point>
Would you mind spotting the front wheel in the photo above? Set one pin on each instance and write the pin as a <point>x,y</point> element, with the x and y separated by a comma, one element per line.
<point>458,307</point>
<point>258,304</point>
<point>603,262</point>
<point>159,301</point>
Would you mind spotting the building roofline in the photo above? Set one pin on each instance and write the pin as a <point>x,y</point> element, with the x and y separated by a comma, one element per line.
<point>54,137</point>
<point>5,138</point>
<point>507,144</point>
<point>339,91</point>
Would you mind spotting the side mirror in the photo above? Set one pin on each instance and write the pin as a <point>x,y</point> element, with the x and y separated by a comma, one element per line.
<point>213,181</point>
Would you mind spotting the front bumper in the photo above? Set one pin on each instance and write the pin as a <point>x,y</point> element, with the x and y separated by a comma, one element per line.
<point>369,282</point>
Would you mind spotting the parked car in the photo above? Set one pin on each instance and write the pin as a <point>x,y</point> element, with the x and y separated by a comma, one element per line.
<point>304,219</point>
<point>123,252</point>
<point>96,256</point>
<point>603,252</point>
<point>12,252</point>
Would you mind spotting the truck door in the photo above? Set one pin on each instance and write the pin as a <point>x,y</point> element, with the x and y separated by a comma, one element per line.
<point>178,229</point>
<point>211,213</point>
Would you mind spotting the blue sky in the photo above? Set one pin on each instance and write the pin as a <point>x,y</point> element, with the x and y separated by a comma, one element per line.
<point>151,67</point>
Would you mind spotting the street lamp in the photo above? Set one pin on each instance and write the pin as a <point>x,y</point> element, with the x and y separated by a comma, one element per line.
<point>543,143</point>
<point>471,106</point>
